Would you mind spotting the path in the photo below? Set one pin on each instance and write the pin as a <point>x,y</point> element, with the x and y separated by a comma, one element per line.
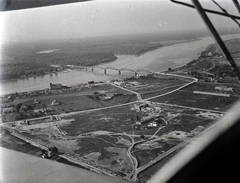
<point>138,94</point>
<point>75,160</point>
<point>182,144</point>
<point>136,170</point>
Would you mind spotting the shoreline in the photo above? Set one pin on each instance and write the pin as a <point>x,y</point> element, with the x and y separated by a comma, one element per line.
<point>139,62</point>
<point>106,61</point>
<point>174,55</point>
<point>158,60</point>
<point>184,85</point>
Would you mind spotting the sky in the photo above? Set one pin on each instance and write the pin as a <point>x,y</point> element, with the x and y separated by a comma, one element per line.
<point>104,18</point>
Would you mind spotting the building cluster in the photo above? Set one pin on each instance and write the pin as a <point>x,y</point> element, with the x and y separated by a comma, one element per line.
<point>54,89</point>
<point>119,83</point>
<point>223,89</point>
<point>49,153</point>
<point>58,86</point>
<point>210,54</point>
<point>104,95</point>
<point>148,115</point>
<point>207,76</point>
<point>26,110</point>
<point>131,82</point>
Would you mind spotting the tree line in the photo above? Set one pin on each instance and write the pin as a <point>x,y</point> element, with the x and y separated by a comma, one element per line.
<point>41,65</point>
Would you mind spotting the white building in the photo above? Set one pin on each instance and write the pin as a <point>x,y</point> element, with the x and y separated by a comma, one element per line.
<point>224,88</point>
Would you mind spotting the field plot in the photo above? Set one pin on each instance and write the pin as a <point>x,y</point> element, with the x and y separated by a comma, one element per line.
<point>119,139</point>
<point>153,85</point>
<point>84,98</point>
<point>191,96</point>
<point>181,125</point>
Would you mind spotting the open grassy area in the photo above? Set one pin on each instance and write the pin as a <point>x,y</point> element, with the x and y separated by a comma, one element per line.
<point>50,104</point>
<point>114,136</point>
<point>14,143</point>
<point>154,85</point>
<point>27,59</point>
<point>103,137</point>
<point>187,97</point>
<point>182,124</point>
<point>150,84</point>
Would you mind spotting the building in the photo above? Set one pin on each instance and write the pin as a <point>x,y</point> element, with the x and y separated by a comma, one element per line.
<point>90,82</point>
<point>57,86</point>
<point>118,83</point>
<point>223,88</point>
<point>36,101</point>
<point>104,96</point>
<point>7,110</point>
<point>109,96</point>
<point>206,54</point>
<point>146,119</point>
<point>152,124</point>
<point>54,102</point>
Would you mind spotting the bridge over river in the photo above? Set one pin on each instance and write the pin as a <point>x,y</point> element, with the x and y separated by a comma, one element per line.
<point>105,69</point>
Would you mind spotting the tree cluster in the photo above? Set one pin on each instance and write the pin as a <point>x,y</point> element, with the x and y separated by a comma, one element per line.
<point>41,64</point>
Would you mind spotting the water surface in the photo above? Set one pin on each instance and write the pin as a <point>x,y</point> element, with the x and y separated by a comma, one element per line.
<point>156,60</point>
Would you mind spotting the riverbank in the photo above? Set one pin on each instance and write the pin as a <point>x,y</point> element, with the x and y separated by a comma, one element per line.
<point>91,126</point>
<point>157,60</point>
<point>172,56</point>
<point>44,62</point>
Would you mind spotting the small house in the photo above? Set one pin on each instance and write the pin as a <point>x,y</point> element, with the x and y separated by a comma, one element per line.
<point>36,101</point>
<point>152,124</point>
<point>57,86</point>
<point>117,83</point>
<point>7,110</point>
<point>109,95</point>
<point>54,102</point>
<point>224,88</point>
<point>90,82</point>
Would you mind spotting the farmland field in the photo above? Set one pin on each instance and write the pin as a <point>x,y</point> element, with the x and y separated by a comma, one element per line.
<point>103,138</point>
<point>123,126</point>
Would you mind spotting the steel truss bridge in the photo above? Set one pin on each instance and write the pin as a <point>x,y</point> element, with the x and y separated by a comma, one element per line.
<point>105,69</point>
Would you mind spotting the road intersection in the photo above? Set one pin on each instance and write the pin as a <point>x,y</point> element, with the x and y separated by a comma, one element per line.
<point>133,176</point>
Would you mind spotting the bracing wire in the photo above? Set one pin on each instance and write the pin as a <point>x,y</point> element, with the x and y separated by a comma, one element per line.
<point>202,11</point>
<point>236,3</point>
<point>225,11</point>
<point>208,10</point>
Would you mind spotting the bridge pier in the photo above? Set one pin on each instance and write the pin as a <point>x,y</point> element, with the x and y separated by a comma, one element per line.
<point>119,72</point>
<point>105,71</point>
<point>86,68</point>
<point>92,69</point>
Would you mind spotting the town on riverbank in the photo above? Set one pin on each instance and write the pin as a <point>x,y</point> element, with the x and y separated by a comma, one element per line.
<point>124,126</point>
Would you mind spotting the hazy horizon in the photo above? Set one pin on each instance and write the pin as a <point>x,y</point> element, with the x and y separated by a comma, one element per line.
<point>103,18</point>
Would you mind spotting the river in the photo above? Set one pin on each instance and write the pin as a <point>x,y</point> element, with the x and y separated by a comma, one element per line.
<point>156,60</point>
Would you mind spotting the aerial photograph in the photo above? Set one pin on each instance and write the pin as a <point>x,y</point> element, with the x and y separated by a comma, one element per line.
<point>111,90</point>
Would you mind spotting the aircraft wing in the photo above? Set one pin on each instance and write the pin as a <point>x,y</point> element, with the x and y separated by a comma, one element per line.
<point>7,5</point>
<point>22,168</point>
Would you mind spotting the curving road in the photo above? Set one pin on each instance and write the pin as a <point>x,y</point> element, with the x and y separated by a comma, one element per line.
<point>136,169</point>
<point>138,94</point>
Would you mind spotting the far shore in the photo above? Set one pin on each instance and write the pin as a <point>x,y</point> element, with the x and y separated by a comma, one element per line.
<point>175,55</point>
<point>172,56</point>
